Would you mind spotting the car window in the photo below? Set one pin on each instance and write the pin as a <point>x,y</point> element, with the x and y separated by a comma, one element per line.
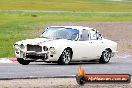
<point>84,35</point>
<point>93,35</point>
<point>99,36</point>
<point>52,28</point>
<point>60,33</point>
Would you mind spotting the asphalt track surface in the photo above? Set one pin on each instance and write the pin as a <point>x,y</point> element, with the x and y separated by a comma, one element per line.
<point>117,65</point>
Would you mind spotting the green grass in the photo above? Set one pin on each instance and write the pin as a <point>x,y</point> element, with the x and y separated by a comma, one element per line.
<point>16,26</point>
<point>68,5</point>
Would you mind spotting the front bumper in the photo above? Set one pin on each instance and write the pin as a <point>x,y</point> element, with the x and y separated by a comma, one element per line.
<point>31,55</point>
<point>34,55</point>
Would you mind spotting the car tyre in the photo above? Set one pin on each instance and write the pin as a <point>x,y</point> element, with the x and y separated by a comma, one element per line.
<point>22,61</point>
<point>105,57</point>
<point>65,57</point>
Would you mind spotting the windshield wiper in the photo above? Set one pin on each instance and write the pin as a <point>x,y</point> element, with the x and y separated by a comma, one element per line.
<point>43,37</point>
<point>58,38</point>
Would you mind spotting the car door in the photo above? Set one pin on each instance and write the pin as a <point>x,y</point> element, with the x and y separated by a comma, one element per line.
<point>96,44</point>
<point>89,46</point>
<point>82,46</point>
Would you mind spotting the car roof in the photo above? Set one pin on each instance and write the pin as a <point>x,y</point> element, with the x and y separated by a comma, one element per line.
<point>80,28</point>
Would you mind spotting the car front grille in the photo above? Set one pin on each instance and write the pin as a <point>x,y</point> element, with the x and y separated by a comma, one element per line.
<point>35,48</point>
<point>41,56</point>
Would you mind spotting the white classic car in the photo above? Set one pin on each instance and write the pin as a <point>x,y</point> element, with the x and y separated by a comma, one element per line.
<point>63,44</point>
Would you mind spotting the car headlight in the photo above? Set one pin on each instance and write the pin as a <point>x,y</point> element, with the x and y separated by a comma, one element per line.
<point>16,46</point>
<point>52,50</point>
<point>45,48</point>
<point>22,46</point>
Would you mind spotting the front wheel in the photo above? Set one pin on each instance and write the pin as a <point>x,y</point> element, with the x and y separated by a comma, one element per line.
<point>65,57</point>
<point>105,57</point>
<point>22,61</point>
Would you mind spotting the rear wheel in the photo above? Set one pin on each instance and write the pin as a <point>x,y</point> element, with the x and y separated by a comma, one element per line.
<point>105,57</point>
<point>65,57</point>
<point>22,61</point>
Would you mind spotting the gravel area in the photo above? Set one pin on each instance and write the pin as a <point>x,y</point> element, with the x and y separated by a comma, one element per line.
<point>55,83</point>
<point>121,32</point>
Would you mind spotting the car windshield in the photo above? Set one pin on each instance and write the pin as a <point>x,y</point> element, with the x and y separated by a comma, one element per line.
<point>60,33</point>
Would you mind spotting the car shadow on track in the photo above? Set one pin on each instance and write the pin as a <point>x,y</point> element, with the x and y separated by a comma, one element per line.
<point>72,63</point>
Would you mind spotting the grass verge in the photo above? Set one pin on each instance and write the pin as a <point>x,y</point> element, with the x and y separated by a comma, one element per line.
<point>70,5</point>
<point>16,26</point>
